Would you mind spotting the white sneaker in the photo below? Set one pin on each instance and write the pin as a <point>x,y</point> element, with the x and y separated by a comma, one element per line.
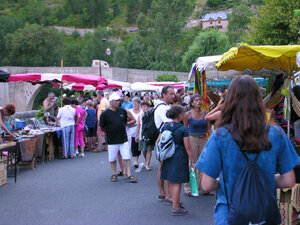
<point>77,153</point>
<point>81,155</point>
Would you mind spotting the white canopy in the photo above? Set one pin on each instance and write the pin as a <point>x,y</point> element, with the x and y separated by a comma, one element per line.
<point>138,86</point>
<point>206,63</point>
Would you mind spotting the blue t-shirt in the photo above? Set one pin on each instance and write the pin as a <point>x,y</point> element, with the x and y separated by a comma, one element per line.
<point>127,105</point>
<point>91,118</point>
<point>281,158</point>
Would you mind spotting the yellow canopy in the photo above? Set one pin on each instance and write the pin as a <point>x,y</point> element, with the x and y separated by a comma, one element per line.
<point>280,58</point>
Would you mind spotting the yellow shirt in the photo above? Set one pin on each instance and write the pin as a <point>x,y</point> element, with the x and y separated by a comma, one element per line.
<point>104,104</point>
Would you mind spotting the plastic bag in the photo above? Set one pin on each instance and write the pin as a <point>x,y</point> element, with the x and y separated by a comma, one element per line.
<point>193,183</point>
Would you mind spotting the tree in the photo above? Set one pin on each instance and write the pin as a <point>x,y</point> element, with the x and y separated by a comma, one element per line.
<point>274,24</point>
<point>167,77</point>
<point>238,20</point>
<point>132,11</point>
<point>33,45</point>
<point>7,25</point>
<point>213,3</point>
<point>208,42</point>
<point>145,6</point>
<point>166,19</point>
<point>116,7</point>
<point>120,58</point>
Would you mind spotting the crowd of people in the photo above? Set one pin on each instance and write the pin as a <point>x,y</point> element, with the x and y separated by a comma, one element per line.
<point>241,134</point>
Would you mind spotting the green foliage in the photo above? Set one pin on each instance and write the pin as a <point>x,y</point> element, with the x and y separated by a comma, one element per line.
<point>132,11</point>
<point>120,58</point>
<point>213,3</point>
<point>238,20</point>
<point>275,24</point>
<point>167,77</point>
<point>33,45</point>
<point>7,25</point>
<point>40,113</point>
<point>208,42</point>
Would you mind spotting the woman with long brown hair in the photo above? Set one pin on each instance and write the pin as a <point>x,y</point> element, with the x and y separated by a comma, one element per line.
<point>242,131</point>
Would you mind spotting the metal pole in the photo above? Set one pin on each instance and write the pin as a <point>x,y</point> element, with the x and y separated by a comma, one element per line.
<point>100,68</point>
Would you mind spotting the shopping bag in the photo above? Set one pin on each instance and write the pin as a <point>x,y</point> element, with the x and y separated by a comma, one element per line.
<point>193,183</point>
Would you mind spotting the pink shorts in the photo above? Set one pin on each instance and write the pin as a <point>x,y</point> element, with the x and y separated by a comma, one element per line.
<point>100,132</point>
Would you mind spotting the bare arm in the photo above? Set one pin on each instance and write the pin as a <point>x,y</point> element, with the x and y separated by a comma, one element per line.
<point>46,106</point>
<point>208,128</point>
<point>216,109</point>
<point>213,116</point>
<point>138,130</point>
<point>2,125</point>
<point>78,119</point>
<point>188,147</point>
<point>187,118</point>
<point>286,180</point>
<point>131,118</point>
<point>209,184</point>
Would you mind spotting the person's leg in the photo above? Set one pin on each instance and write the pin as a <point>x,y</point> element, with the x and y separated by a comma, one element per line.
<point>76,139</point>
<point>81,141</point>
<point>160,182</point>
<point>148,158</point>
<point>89,142</point>
<point>297,129</point>
<point>135,152</point>
<point>201,144</point>
<point>99,137</point>
<point>112,156</point>
<point>125,152</point>
<point>121,163</point>
<point>67,129</point>
<point>175,189</point>
<point>194,141</point>
<point>71,140</point>
<point>64,142</point>
<point>168,191</point>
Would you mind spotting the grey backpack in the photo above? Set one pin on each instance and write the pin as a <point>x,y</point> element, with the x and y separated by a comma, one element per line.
<point>166,146</point>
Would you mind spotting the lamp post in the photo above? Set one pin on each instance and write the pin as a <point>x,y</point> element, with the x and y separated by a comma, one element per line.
<point>100,70</point>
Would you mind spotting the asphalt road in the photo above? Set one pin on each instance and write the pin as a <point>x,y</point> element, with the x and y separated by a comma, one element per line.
<point>78,191</point>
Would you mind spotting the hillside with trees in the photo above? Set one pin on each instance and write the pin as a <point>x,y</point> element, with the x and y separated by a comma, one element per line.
<point>28,36</point>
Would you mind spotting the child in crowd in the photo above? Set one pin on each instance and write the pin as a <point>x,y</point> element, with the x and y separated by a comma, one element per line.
<point>176,169</point>
<point>90,123</point>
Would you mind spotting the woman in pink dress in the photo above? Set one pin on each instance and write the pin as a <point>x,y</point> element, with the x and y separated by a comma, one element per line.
<point>80,116</point>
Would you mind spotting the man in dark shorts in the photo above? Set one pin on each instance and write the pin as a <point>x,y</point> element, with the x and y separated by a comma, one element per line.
<point>113,122</point>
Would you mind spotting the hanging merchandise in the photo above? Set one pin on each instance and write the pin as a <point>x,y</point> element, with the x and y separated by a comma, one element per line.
<point>193,183</point>
<point>200,87</point>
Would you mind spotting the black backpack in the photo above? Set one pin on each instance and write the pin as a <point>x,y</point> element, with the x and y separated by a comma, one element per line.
<point>252,201</point>
<point>149,131</point>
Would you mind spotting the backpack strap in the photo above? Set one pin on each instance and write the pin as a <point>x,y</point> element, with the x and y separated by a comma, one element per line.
<point>224,181</point>
<point>154,112</point>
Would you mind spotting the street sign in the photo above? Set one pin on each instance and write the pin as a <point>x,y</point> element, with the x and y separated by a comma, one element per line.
<point>108,51</point>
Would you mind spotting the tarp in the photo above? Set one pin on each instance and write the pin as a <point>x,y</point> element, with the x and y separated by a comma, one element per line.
<point>38,78</point>
<point>205,63</point>
<point>221,83</point>
<point>279,58</point>
<point>4,76</point>
<point>144,87</point>
<point>83,87</point>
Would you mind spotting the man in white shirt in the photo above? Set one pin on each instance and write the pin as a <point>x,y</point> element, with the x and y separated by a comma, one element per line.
<point>168,95</point>
<point>66,116</point>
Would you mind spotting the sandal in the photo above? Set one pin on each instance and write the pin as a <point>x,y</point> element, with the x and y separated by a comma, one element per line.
<point>113,178</point>
<point>125,176</point>
<point>189,194</point>
<point>170,202</point>
<point>161,198</point>
<point>131,179</point>
<point>120,173</point>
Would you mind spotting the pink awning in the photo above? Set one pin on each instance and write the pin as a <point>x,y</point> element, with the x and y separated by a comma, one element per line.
<point>37,78</point>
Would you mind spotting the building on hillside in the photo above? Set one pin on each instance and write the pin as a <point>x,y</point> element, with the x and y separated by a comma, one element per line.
<point>216,20</point>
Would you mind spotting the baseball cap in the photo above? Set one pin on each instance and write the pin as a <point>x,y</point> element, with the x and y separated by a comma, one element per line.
<point>114,96</point>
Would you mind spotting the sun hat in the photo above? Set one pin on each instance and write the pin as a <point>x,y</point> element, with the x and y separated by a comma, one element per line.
<point>114,96</point>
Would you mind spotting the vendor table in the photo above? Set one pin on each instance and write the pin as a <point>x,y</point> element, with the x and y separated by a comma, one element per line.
<point>11,148</point>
